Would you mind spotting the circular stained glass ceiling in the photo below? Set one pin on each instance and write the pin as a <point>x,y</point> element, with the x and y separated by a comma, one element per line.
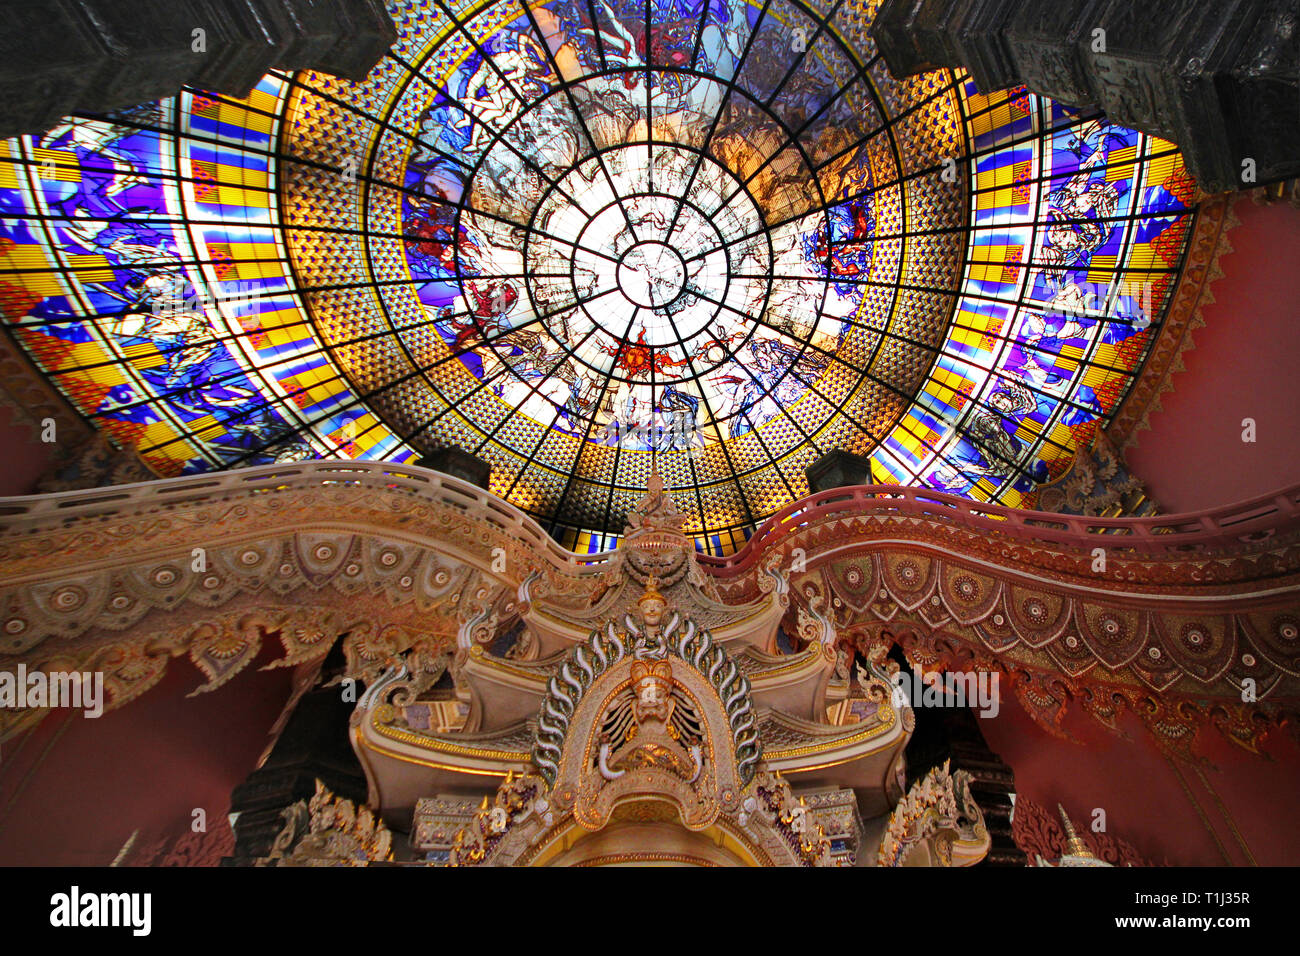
<point>584,239</point>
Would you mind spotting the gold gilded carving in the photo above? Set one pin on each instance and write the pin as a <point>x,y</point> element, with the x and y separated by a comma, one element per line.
<point>937,823</point>
<point>329,831</point>
<point>633,716</point>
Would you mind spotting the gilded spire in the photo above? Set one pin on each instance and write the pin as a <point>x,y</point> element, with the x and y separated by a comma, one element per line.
<point>1074,845</point>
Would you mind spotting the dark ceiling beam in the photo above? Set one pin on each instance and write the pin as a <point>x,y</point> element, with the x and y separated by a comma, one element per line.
<point>59,57</point>
<point>1221,79</point>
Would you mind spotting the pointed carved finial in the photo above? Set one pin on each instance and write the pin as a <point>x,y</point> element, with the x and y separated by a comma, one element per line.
<point>1074,845</point>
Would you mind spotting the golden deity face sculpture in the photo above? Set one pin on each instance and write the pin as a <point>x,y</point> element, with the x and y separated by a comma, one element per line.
<point>652,612</point>
<point>653,685</point>
<point>651,604</point>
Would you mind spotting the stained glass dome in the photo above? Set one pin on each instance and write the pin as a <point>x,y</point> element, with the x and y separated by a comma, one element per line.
<point>584,239</point>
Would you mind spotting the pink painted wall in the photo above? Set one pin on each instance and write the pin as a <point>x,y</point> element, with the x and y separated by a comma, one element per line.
<point>1246,364</point>
<point>1167,814</point>
<point>73,790</point>
<point>22,460</point>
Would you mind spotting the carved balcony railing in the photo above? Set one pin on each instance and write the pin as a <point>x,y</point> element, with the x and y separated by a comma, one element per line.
<point>1195,607</point>
<point>1217,530</point>
<point>31,513</point>
<point>1222,529</point>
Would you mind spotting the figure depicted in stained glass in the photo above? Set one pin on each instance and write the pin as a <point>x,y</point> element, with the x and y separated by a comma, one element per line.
<point>432,231</point>
<point>847,252</point>
<point>514,65</point>
<point>990,447</point>
<point>198,374</point>
<point>1049,332</point>
<point>1080,211</point>
<point>95,194</point>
